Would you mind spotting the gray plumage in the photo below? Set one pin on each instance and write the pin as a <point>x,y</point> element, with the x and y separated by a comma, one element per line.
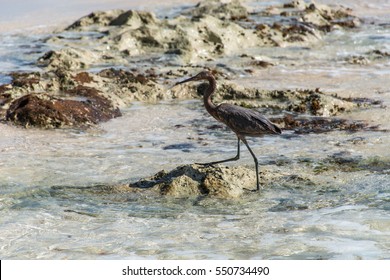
<point>242,121</point>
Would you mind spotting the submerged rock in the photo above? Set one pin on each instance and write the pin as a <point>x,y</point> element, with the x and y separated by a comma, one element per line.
<point>194,180</point>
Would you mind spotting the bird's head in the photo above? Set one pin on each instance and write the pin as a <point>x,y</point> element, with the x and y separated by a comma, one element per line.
<point>204,75</point>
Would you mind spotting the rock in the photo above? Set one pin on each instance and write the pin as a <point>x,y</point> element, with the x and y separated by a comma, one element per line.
<point>221,9</point>
<point>25,79</point>
<point>209,30</point>
<point>134,19</point>
<point>195,180</point>
<point>67,59</point>
<point>303,24</point>
<point>49,112</point>
<point>96,18</point>
<point>123,87</point>
<point>318,104</point>
<point>379,54</point>
<point>359,60</point>
<point>308,124</point>
<point>298,4</point>
<point>183,39</point>
<point>83,78</point>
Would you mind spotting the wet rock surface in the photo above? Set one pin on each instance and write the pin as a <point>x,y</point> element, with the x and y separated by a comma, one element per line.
<point>309,124</point>
<point>196,180</point>
<point>49,112</point>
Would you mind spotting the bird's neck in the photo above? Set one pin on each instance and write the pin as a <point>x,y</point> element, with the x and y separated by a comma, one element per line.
<point>210,106</point>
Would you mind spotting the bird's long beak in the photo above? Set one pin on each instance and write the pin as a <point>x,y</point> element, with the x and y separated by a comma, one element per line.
<point>178,83</point>
<point>185,81</point>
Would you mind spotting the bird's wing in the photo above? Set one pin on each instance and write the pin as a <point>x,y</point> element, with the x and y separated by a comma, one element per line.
<point>245,121</point>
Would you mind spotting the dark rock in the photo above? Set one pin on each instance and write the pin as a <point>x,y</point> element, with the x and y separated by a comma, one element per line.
<point>124,77</point>
<point>380,53</point>
<point>25,79</point>
<point>4,88</point>
<point>315,124</point>
<point>49,112</point>
<point>83,78</point>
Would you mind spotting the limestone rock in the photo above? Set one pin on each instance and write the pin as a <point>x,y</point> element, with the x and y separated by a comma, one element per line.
<point>221,9</point>
<point>195,180</point>
<point>209,30</point>
<point>134,19</point>
<point>96,18</point>
<point>67,59</point>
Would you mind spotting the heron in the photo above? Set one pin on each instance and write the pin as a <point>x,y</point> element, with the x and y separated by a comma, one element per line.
<point>242,121</point>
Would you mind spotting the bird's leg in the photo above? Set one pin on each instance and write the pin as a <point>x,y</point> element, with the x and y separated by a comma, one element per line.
<point>256,164</point>
<point>229,159</point>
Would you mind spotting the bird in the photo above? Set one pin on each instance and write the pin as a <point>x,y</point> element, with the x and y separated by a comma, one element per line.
<point>242,121</point>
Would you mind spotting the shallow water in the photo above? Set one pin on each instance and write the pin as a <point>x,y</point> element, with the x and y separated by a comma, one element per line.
<point>333,204</point>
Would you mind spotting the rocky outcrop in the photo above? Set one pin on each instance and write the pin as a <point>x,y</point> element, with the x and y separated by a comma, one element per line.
<point>196,180</point>
<point>112,89</point>
<point>84,107</point>
<point>204,32</point>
